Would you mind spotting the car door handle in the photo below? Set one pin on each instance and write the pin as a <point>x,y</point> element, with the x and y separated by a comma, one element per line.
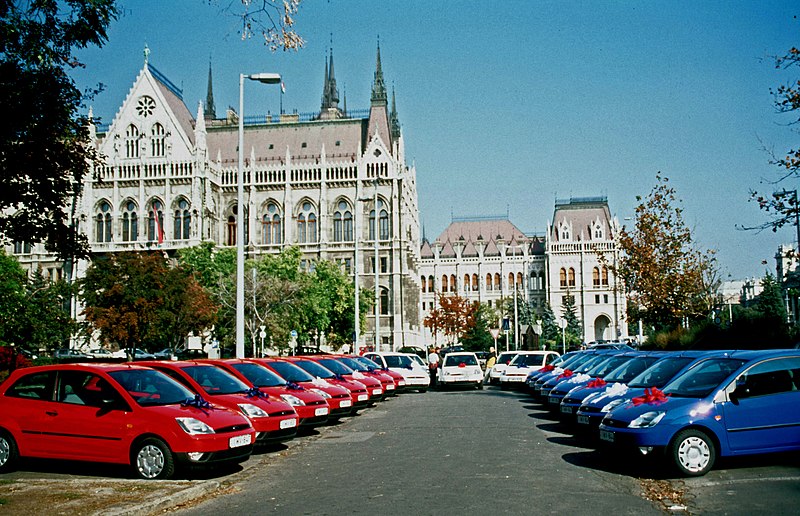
<point>51,412</point>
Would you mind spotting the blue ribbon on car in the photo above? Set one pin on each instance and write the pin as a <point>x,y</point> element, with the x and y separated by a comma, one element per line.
<point>255,392</point>
<point>197,402</point>
<point>294,386</point>
<point>340,377</point>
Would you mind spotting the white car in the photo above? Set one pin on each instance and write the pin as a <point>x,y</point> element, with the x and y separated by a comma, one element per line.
<point>500,365</point>
<point>416,375</point>
<point>461,368</point>
<point>526,362</point>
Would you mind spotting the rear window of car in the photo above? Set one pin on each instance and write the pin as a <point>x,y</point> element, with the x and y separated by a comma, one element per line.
<point>456,360</point>
<point>505,358</point>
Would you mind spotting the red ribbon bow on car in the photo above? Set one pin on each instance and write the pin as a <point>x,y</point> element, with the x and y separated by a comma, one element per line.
<point>462,364</point>
<point>566,374</point>
<point>652,396</point>
<point>547,368</point>
<point>595,383</point>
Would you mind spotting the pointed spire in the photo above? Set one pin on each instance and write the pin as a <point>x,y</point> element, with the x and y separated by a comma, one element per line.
<point>378,86</point>
<point>330,94</point>
<point>210,111</point>
<point>325,92</point>
<point>393,117</point>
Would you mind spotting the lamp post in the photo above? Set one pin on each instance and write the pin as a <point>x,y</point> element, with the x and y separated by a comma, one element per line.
<point>266,78</point>
<point>377,272</point>
<point>563,323</point>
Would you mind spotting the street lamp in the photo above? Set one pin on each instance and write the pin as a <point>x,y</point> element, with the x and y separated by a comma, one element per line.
<point>563,323</point>
<point>266,78</point>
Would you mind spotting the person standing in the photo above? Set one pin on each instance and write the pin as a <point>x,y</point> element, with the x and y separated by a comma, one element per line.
<point>490,361</point>
<point>433,365</point>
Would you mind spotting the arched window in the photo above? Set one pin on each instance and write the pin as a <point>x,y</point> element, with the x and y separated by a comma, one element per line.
<point>306,224</point>
<point>533,283</point>
<point>231,236</point>
<point>466,282</point>
<point>157,147</point>
<point>604,276</point>
<point>155,222</point>
<point>384,222</point>
<point>424,284</point>
<point>132,142</point>
<point>342,223</point>
<point>271,225</point>
<point>595,277</point>
<point>453,285</point>
<point>497,281</point>
<point>542,284</point>
<point>431,287</point>
<point>475,283</point>
<point>510,283</point>
<point>519,281</point>
<point>130,223</point>
<point>444,283</point>
<point>571,277</point>
<point>488,282</point>
<point>182,222</point>
<point>562,277</point>
<point>384,308</point>
<point>102,230</point>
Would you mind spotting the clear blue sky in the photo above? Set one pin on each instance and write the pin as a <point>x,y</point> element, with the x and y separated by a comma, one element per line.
<point>510,105</point>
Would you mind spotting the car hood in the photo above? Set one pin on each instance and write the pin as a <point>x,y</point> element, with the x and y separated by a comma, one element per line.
<point>643,403</point>
<point>216,417</point>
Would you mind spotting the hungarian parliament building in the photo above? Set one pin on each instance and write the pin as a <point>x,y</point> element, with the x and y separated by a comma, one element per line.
<point>337,185</point>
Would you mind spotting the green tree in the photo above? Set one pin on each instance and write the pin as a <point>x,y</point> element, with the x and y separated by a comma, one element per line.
<point>551,332</point>
<point>47,319</point>
<point>574,331</point>
<point>13,283</point>
<point>477,337</point>
<point>770,302</point>
<point>665,275</point>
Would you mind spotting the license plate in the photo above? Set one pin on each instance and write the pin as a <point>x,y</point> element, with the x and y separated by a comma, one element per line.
<point>566,410</point>
<point>323,411</point>
<point>346,403</point>
<point>363,397</point>
<point>390,387</point>
<point>583,420</point>
<point>288,423</point>
<point>240,440</point>
<point>377,392</point>
<point>607,436</point>
<point>553,400</point>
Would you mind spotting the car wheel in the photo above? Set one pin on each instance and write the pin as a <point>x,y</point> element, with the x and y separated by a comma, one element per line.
<point>152,459</point>
<point>8,452</point>
<point>693,452</point>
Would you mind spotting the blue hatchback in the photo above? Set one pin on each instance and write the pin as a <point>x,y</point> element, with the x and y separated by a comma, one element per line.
<point>737,403</point>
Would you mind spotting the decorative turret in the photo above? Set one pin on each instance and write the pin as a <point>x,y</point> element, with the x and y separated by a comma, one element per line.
<point>379,124</point>
<point>330,93</point>
<point>393,118</point>
<point>378,87</point>
<point>210,112</point>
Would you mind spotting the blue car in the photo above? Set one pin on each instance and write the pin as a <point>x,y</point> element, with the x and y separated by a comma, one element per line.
<point>737,403</point>
<point>557,363</point>
<point>599,403</point>
<point>569,364</point>
<point>581,368</point>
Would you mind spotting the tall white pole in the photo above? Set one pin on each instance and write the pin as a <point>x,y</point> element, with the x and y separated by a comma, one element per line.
<point>377,272</point>
<point>516,312</point>
<point>240,214</point>
<point>356,269</point>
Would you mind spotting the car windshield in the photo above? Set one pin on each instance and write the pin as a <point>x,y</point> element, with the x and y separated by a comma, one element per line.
<point>398,361</point>
<point>628,370</point>
<point>704,377</point>
<point>314,369</point>
<point>214,380</point>
<point>457,360</point>
<point>418,360</point>
<point>505,358</point>
<point>603,368</point>
<point>258,375</point>
<point>660,373</point>
<point>335,366</point>
<point>353,364</point>
<point>525,360</point>
<point>149,387</point>
<point>589,364</point>
<point>575,360</point>
<point>369,363</point>
<point>291,373</point>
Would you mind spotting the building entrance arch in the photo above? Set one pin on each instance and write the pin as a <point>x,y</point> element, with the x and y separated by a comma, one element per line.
<point>601,328</point>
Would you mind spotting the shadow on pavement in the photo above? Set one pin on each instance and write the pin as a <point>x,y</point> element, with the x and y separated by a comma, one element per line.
<point>653,467</point>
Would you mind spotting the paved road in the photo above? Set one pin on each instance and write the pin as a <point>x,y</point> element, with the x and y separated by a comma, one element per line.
<point>458,452</point>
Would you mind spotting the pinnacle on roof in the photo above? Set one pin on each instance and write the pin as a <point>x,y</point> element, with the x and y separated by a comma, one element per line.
<point>210,111</point>
<point>393,118</point>
<point>378,86</point>
<point>330,93</point>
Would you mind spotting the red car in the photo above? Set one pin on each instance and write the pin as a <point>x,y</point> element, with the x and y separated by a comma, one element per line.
<point>273,419</point>
<point>399,379</point>
<point>374,386</point>
<point>115,413</point>
<point>387,382</point>
<point>358,390</point>
<point>339,398</point>
<point>311,404</point>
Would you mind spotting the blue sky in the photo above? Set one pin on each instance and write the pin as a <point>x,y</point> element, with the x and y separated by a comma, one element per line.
<point>506,106</point>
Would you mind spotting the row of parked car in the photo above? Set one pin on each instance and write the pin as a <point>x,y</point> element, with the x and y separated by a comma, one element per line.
<point>690,406</point>
<point>158,415</point>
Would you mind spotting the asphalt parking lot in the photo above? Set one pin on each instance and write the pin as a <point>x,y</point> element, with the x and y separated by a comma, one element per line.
<point>459,451</point>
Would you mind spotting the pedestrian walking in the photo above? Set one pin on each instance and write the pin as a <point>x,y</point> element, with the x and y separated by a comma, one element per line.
<point>433,365</point>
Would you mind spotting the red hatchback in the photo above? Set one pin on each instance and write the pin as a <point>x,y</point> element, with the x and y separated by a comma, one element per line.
<point>374,386</point>
<point>387,382</point>
<point>339,398</point>
<point>358,390</point>
<point>115,413</point>
<point>311,405</point>
<point>273,419</point>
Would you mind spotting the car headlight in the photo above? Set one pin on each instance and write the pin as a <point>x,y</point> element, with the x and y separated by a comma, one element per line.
<point>250,410</point>
<point>321,393</point>
<point>612,405</point>
<point>648,419</point>
<point>292,400</point>
<point>193,426</point>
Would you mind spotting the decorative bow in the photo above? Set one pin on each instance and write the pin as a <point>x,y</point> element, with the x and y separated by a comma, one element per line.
<point>197,402</point>
<point>294,386</point>
<point>462,364</point>
<point>255,392</point>
<point>339,377</point>
<point>652,396</point>
<point>566,374</point>
<point>547,368</point>
<point>596,383</point>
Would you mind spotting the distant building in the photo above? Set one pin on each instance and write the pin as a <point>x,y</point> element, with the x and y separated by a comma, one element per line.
<point>490,259</point>
<point>170,181</point>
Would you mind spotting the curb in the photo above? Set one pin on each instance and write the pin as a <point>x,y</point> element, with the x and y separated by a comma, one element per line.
<point>161,504</point>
